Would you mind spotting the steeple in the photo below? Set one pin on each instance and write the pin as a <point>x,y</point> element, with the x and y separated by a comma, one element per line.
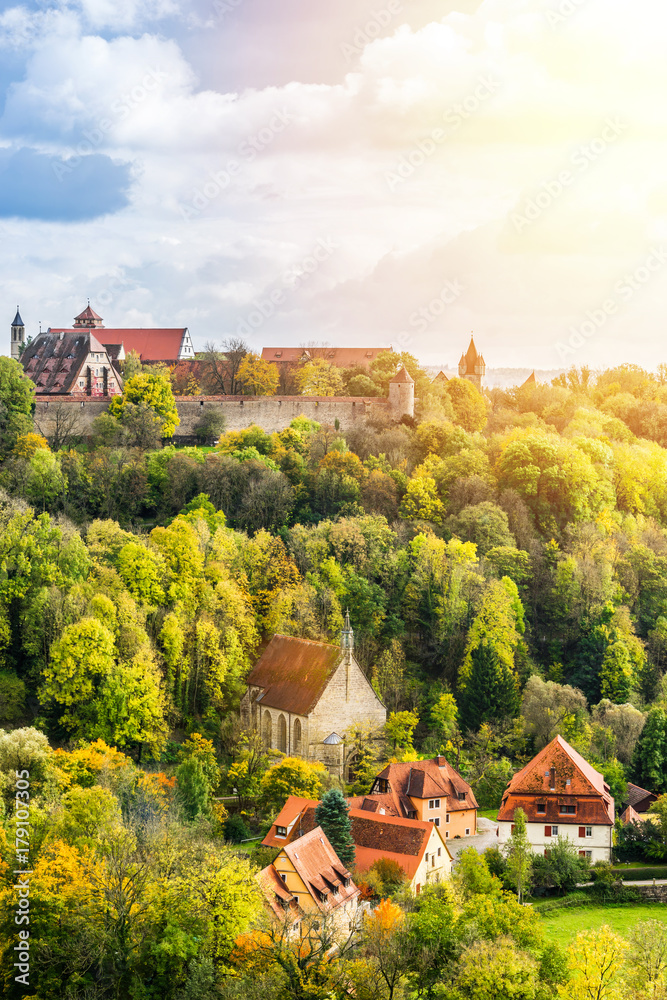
<point>472,365</point>
<point>17,336</point>
<point>347,636</point>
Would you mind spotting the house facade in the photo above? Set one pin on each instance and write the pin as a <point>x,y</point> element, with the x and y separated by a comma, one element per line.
<point>431,791</point>
<point>562,795</point>
<point>71,364</point>
<point>417,846</point>
<point>303,696</point>
<point>308,878</point>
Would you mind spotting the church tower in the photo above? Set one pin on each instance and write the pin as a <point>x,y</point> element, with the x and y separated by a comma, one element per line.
<point>18,336</point>
<point>472,365</point>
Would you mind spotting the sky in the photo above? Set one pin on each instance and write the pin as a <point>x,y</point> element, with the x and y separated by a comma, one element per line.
<point>396,172</point>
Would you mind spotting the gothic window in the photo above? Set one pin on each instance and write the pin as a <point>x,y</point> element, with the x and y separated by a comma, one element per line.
<point>297,736</point>
<point>268,729</point>
<point>282,734</point>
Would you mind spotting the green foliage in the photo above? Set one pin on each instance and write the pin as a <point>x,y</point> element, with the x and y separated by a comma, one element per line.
<point>12,697</point>
<point>150,389</point>
<point>291,776</point>
<point>193,788</point>
<point>332,814</point>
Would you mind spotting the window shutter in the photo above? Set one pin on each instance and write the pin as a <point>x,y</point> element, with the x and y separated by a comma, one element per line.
<point>547,831</point>
<point>582,831</point>
<point>513,827</point>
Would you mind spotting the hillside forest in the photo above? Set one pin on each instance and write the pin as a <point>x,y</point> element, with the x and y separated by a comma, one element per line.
<point>503,558</point>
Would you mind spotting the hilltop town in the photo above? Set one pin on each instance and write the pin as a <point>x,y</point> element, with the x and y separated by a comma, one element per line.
<point>326,675</point>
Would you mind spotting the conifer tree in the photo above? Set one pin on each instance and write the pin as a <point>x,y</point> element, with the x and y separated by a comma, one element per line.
<point>332,815</point>
<point>490,690</point>
<point>519,855</point>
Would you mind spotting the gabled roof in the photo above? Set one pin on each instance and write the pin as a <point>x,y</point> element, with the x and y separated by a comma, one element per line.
<point>150,345</point>
<point>630,816</point>
<point>375,836</point>
<point>531,380</point>
<point>402,375</point>
<point>573,777</point>
<point>342,357</point>
<point>278,896</point>
<point>441,377</point>
<point>17,319</point>
<point>425,779</point>
<point>320,869</point>
<point>294,673</point>
<point>53,360</point>
<point>640,798</point>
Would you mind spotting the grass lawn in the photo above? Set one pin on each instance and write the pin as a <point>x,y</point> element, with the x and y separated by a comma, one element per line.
<point>488,813</point>
<point>562,925</point>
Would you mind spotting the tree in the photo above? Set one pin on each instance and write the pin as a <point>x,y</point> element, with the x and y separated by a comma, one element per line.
<point>151,389</point>
<point>399,728</point>
<point>64,425</point>
<point>383,940</point>
<point>595,960</point>
<point>562,868</point>
<point>485,524</point>
<point>45,480</point>
<point>549,708</point>
<point>220,368</point>
<point>17,401</point>
<point>489,970</point>
<point>291,776</point>
<point>490,690</point>
<point>421,501</point>
<point>319,378</point>
<point>332,814</point>
<point>519,855</point>
<point>647,954</point>
<point>469,405</point>
<point>626,723</point>
<point>192,788</point>
<point>80,660</point>
<point>142,571</point>
<point>258,377</point>
<point>616,674</point>
<point>649,760</point>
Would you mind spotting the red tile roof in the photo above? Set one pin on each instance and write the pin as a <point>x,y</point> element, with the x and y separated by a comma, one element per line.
<point>402,375</point>
<point>88,315</point>
<point>640,798</point>
<point>321,870</point>
<point>423,779</point>
<point>375,836</point>
<point>342,357</point>
<point>150,345</point>
<point>294,673</point>
<point>278,896</point>
<point>575,782</point>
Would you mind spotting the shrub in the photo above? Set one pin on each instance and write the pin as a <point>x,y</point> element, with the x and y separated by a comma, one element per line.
<point>235,829</point>
<point>12,697</point>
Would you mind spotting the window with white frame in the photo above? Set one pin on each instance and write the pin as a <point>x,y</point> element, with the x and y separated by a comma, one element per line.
<point>467,831</point>
<point>434,803</point>
<point>589,831</point>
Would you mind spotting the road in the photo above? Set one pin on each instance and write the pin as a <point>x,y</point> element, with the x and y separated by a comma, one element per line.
<point>486,837</point>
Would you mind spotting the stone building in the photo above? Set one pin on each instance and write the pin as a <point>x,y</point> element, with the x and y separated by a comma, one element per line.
<point>472,365</point>
<point>402,394</point>
<point>165,344</point>
<point>73,364</point>
<point>428,790</point>
<point>17,336</point>
<point>303,696</point>
<point>562,795</point>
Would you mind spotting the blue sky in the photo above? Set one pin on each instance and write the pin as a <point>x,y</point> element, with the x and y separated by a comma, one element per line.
<point>495,166</point>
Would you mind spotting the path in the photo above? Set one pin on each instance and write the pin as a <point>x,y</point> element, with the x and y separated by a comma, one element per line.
<point>486,837</point>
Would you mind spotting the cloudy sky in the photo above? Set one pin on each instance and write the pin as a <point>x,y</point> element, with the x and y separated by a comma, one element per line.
<point>353,172</point>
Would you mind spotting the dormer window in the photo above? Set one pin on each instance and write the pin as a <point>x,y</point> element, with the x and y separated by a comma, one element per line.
<point>541,808</point>
<point>462,796</point>
<point>281,831</point>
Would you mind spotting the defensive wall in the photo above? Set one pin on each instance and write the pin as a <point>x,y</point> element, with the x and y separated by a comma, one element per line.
<point>271,413</point>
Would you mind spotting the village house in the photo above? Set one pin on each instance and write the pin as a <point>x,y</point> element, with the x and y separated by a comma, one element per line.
<point>429,790</point>
<point>71,364</point>
<point>303,696</point>
<point>562,795</point>
<point>418,847</point>
<point>308,878</point>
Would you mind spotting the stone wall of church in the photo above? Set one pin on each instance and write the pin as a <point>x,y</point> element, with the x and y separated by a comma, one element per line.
<point>348,699</point>
<point>271,413</point>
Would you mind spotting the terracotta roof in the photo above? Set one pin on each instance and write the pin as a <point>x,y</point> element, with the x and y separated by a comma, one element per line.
<point>575,782</point>
<point>342,357</point>
<point>630,816</point>
<point>88,316</point>
<point>441,377</point>
<point>113,350</point>
<point>321,870</point>
<point>640,798</point>
<point>472,357</point>
<point>424,779</point>
<point>294,673</point>
<point>402,375</point>
<point>54,361</point>
<point>278,896</point>
<point>530,380</point>
<point>150,345</point>
<point>375,836</point>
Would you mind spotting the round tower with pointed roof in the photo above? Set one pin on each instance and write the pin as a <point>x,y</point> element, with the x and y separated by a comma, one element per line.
<point>402,394</point>
<point>18,336</point>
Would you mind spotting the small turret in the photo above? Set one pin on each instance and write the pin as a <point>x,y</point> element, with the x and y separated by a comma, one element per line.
<point>18,336</point>
<point>347,636</point>
<point>402,394</point>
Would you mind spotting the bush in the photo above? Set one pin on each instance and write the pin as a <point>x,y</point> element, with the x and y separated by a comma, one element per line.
<point>12,697</point>
<point>641,874</point>
<point>235,829</point>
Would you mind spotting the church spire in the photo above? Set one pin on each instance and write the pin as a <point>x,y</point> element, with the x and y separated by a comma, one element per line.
<point>347,636</point>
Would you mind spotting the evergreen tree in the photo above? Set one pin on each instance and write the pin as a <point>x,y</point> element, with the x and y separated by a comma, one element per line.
<point>519,856</point>
<point>490,690</point>
<point>193,788</point>
<point>332,815</point>
<point>649,761</point>
<point>616,675</point>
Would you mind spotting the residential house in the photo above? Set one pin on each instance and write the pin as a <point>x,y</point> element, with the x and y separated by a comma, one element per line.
<point>561,795</point>
<point>165,344</point>
<point>307,877</point>
<point>304,695</point>
<point>429,790</point>
<point>417,846</point>
<point>640,799</point>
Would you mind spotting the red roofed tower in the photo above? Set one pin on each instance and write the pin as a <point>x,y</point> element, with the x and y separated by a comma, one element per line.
<point>88,319</point>
<point>402,394</point>
<point>472,365</point>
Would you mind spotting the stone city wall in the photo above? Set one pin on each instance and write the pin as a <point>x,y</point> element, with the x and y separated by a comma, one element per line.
<point>271,413</point>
